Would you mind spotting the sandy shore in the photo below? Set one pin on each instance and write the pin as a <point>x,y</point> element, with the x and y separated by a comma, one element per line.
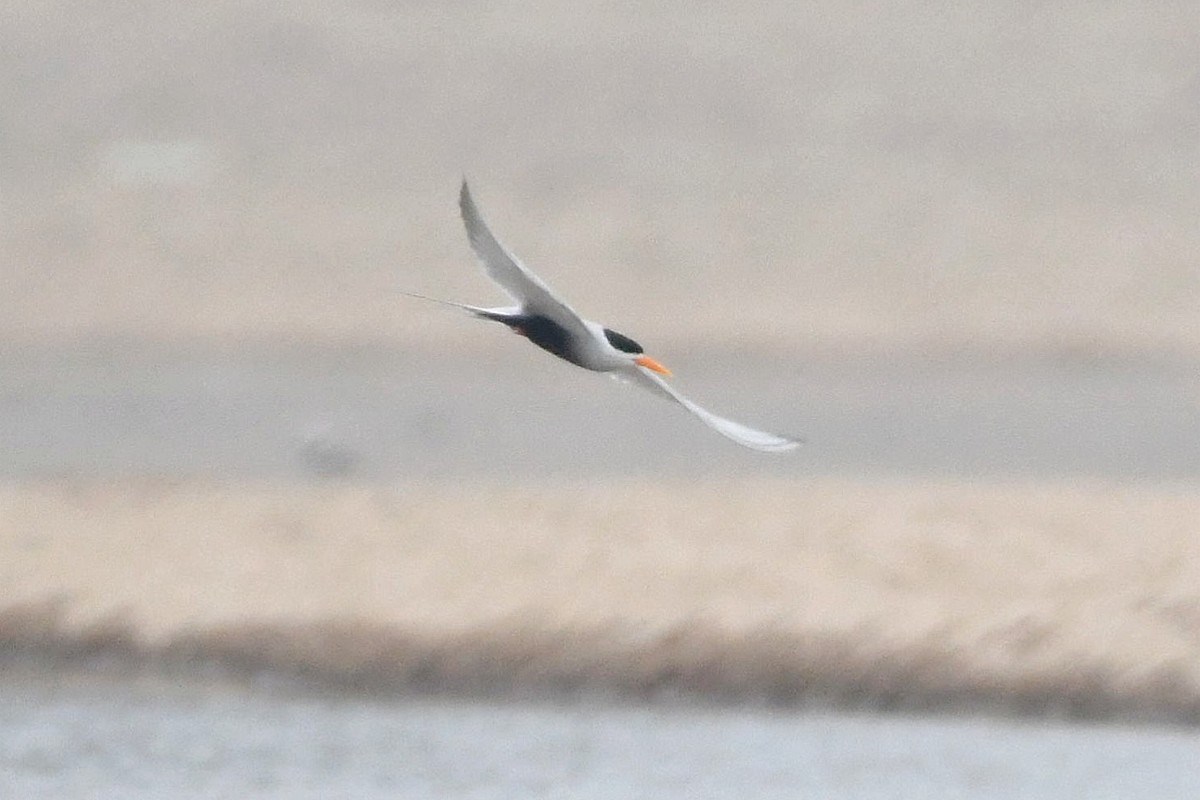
<point>1043,599</point>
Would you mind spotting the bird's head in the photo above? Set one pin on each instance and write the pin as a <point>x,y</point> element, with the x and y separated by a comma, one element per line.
<point>634,350</point>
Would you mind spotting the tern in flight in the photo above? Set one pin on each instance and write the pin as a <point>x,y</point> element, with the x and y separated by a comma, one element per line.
<point>552,325</point>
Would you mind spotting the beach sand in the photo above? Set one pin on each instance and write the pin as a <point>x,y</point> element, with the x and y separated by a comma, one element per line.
<point>1047,599</point>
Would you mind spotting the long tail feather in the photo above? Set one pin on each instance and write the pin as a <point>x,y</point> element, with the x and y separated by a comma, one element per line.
<point>494,314</point>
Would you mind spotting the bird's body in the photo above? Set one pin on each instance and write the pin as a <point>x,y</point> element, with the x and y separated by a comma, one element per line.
<point>554,326</point>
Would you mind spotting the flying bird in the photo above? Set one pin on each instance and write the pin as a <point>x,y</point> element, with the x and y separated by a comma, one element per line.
<point>551,324</point>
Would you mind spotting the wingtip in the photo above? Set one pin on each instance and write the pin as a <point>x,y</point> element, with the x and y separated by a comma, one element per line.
<point>789,445</point>
<point>466,204</point>
<point>785,446</point>
<point>790,442</point>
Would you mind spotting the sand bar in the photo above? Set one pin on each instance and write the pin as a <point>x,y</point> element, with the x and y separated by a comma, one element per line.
<point>1048,599</point>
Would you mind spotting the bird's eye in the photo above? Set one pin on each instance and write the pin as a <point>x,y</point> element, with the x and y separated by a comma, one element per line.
<point>622,342</point>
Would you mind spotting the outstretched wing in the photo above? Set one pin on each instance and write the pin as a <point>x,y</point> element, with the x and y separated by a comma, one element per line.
<point>742,434</point>
<point>514,277</point>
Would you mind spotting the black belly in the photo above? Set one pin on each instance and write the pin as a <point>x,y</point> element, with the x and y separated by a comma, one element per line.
<point>547,334</point>
<point>554,338</point>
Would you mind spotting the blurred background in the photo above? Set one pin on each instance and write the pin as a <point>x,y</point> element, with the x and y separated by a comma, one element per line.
<point>953,246</point>
<point>825,176</point>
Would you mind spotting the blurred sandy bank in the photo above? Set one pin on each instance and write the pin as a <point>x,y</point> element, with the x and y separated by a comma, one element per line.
<point>1050,599</point>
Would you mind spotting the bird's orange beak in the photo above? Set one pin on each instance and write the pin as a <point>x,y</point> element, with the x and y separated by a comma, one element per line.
<point>650,364</point>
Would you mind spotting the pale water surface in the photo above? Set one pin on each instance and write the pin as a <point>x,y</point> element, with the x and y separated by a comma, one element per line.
<point>118,409</point>
<point>149,738</point>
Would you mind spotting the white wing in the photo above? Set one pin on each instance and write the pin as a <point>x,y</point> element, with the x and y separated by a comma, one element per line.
<point>513,276</point>
<point>742,434</point>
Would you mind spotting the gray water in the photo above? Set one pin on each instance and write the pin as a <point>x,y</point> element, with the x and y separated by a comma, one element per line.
<point>112,409</point>
<point>150,738</point>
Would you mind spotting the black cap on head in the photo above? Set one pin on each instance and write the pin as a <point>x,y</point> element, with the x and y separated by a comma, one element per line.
<point>622,342</point>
